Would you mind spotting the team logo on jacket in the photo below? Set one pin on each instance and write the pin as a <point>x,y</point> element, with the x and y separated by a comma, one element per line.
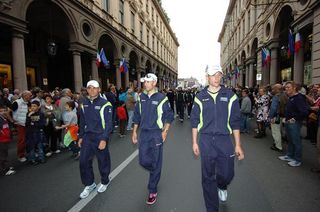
<point>205,100</point>
<point>223,99</point>
<point>155,102</point>
<point>97,107</point>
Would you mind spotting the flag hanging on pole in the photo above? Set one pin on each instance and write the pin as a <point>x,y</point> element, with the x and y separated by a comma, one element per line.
<point>264,56</point>
<point>297,44</point>
<point>123,66</point>
<point>104,58</point>
<point>98,59</point>
<point>290,44</point>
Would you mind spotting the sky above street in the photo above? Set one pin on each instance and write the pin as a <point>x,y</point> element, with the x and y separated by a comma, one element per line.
<point>197,25</point>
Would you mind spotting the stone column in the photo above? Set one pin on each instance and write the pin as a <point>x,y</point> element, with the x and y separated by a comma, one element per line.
<point>94,69</point>
<point>251,75</point>
<point>126,75</point>
<point>139,77</point>
<point>19,61</point>
<point>118,74</point>
<point>241,69</point>
<point>274,66</point>
<point>265,74</point>
<point>247,75</point>
<point>298,70</point>
<point>77,70</point>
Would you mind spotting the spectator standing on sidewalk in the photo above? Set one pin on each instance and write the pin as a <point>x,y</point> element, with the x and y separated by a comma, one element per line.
<point>34,128</point>
<point>245,111</point>
<point>20,110</point>
<point>122,115</point>
<point>276,114</point>
<point>52,117</point>
<point>296,111</point>
<point>262,104</point>
<point>70,124</point>
<point>5,139</point>
<point>130,103</point>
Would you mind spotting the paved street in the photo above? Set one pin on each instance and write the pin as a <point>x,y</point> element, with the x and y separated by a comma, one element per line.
<point>262,182</point>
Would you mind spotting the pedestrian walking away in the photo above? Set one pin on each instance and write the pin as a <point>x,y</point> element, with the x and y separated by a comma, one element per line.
<point>94,135</point>
<point>153,115</point>
<point>214,116</point>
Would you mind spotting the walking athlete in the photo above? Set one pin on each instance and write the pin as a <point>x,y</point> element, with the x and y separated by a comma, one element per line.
<point>94,135</point>
<point>215,115</point>
<point>153,115</point>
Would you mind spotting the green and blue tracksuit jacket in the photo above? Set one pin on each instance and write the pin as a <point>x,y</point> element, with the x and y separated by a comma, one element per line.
<point>96,118</point>
<point>219,116</point>
<point>151,113</point>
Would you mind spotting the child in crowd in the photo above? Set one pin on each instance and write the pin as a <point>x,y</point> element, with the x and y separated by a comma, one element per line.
<point>5,139</point>
<point>34,130</point>
<point>70,121</point>
<point>122,115</point>
<point>52,116</point>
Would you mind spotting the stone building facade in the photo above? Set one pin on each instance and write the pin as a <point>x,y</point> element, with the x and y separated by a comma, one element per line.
<point>51,43</point>
<point>251,25</point>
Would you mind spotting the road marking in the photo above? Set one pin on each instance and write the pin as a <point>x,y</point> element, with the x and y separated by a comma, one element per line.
<point>83,202</point>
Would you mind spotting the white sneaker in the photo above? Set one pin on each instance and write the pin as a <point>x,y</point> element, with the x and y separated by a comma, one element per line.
<point>285,158</point>
<point>48,154</point>
<point>294,163</point>
<point>87,190</point>
<point>10,171</point>
<point>223,195</point>
<point>57,151</point>
<point>103,187</point>
<point>22,160</point>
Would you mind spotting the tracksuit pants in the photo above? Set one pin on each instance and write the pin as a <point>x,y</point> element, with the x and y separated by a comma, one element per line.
<point>180,109</point>
<point>89,149</point>
<point>217,167</point>
<point>150,156</point>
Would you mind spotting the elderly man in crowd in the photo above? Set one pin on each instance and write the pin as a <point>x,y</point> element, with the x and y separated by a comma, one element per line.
<point>20,109</point>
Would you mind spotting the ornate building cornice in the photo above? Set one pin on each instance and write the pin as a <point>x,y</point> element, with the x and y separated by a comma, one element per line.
<point>5,5</point>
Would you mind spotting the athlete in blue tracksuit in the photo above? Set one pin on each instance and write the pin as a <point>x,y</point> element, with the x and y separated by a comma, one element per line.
<point>153,115</point>
<point>95,130</point>
<point>215,115</point>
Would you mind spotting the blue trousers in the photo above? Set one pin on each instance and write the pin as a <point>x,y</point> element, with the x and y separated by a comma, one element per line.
<point>89,149</point>
<point>244,122</point>
<point>217,167</point>
<point>34,142</point>
<point>150,156</point>
<point>294,150</point>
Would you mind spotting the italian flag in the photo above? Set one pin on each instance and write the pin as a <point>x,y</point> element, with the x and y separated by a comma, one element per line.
<point>71,135</point>
<point>98,59</point>
<point>297,43</point>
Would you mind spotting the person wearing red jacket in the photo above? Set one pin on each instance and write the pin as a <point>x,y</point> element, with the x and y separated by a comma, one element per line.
<point>5,139</point>
<point>122,115</point>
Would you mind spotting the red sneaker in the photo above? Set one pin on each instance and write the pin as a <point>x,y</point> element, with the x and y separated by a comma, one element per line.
<point>152,198</point>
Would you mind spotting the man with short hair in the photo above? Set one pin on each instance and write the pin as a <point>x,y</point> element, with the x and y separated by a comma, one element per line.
<point>215,115</point>
<point>296,111</point>
<point>94,135</point>
<point>153,115</point>
<point>20,110</point>
<point>275,116</point>
<point>245,110</point>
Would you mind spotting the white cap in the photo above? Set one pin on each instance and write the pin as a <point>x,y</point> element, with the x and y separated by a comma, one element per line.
<point>93,83</point>
<point>213,70</point>
<point>149,77</point>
